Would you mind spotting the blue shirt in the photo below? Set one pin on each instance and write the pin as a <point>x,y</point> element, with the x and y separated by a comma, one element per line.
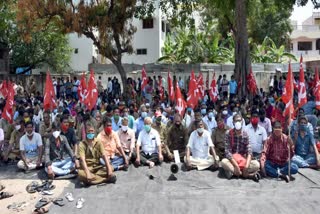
<point>304,144</point>
<point>233,86</point>
<point>116,126</point>
<point>139,126</point>
<point>308,107</point>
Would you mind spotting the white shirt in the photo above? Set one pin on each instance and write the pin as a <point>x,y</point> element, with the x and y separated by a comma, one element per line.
<point>30,146</point>
<point>109,86</point>
<point>199,145</point>
<point>187,120</point>
<point>256,137</point>
<point>210,124</point>
<point>149,142</point>
<point>230,122</point>
<point>1,135</point>
<point>266,124</point>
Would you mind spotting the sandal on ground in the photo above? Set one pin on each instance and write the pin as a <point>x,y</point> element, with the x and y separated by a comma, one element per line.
<point>69,197</point>
<point>42,202</point>
<point>41,210</point>
<point>47,192</point>
<point>58,201</point>
<point>80,203</point>
<point>32,187</point>
<point>4,195</point>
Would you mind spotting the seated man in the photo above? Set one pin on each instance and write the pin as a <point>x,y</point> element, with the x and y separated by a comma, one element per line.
<point>177,137</point>
<point>127,139</point>
<point>238,153</point>
<point>90,152</point>
<point>274,157</point>
<point>218,136</point>
<point>113,149</point>
<point>150,143</point>
<point>56,150</point>
<point>12,151</point>
<point>31,149</point>
<point>200,146</point>
<point>306,152</point>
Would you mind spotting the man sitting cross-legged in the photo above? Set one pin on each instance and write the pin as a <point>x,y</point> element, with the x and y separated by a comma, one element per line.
<point>200,146</point>
<point>90,152</point>
<point>59,157</point>
<point>150,143</point>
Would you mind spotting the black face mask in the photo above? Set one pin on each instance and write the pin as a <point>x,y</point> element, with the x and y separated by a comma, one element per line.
<point>262,118</point>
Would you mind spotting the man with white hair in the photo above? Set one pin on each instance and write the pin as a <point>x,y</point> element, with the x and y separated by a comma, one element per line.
<point>149,140</point>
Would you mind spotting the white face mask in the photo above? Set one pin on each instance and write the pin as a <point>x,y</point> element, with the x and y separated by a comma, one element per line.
<point>124,128</point>
<point>17,127</point>
<point>29,134</point>
<point>200,130</point>
<point>224,112</point>
<point>238,125</point>
<point>56,134</point>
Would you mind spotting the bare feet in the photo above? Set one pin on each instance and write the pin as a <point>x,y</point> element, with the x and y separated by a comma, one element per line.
<point>151,164</point>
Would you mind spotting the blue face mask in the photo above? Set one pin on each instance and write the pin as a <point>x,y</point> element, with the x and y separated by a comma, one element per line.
<point>303,127</point>
<point>203,111</point>
<point>147,128</point>
<point>210,115</point>
<point>144,114</point>
<point>90,136</point>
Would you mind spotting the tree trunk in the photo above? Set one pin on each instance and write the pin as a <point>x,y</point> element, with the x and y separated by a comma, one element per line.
<point>123,75</point>
<point>242,53</point>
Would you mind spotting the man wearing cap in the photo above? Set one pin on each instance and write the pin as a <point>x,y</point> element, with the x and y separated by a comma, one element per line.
<point>199,148</point>
<point>162,130</point>
<point>306,152</point>
<point>127,139</point>
<point>59,157</point>
<point>177,137</point>
<point>149,140</point>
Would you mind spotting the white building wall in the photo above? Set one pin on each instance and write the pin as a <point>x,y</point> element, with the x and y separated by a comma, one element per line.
<point>81,60</point>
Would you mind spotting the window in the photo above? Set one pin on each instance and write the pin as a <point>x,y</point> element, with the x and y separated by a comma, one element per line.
<point>291,46</point>
<point>142,51</point>
<point>76,50</point>
<point>317,21</point>
<point>147,23</point>
<point>304,46</point>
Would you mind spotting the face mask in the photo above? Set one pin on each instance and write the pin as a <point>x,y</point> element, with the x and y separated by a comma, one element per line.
<point>262,118</point>
<point>303,127</point>
<point>200,130</point>
<point>29,134</point>
<point>90,136</point>
<point>234,113</point>
<point>221,125</point>
<point>116,117</point>
<point>203,111</point>
<point>144,115</point>
<point>108,130</point>
<point>56,134</point>
<point>210,115</point>
<point>64,127</point>
<point>224,112</point>
<point>124,128</point>
<point>147,128</point>
<point>126,114</point>
<point>164,114</point>
<point>238,125</point>
<point>17,127</point>
<point>254,121</point>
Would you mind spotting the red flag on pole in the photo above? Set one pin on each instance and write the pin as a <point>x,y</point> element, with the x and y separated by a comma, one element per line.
<point>161,90</point>
<point>200,83</point>
<point>192,99</point>
<point>287,95</point>
<point>207,81</point>
<point>7,113</point>
<point>214,93</point>
<point>170,88</point>
<point>316,90</point>
<point>144,79</point>
<point>49,100</point>
<point>92,92</point>
<point>252,84</point>
<point>82,89</point>
<point>302,93</point>
<point>181,104</point>
<point>4,88</point>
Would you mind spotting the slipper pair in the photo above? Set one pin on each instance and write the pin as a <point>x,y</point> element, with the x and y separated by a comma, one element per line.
<point>4,195</point>
<point>34,186</point>
<point>79,203</point>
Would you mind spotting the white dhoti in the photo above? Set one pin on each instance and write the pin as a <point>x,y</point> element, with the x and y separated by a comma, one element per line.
<point>201,164</point>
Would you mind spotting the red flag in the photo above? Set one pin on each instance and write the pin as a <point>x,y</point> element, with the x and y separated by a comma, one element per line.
<point>161,90</point>
<point>49,100</point>
<point>181,104</point>
<point>302,94</point>
<point>170,88</point>
<point>252,84</point>
<point>92,92</point>
<point>200,84</point>
<point>214,93</point>
<point>82,89</point>
<point>192,99</point>
<point>316,90</point>
<point>144,79</point>
<point>287,95</point>
<point>207,81</point>
<point>7,113</point>
<point>4,89</point>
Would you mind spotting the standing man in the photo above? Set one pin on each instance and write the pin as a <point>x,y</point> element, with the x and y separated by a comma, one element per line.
<point>233,87</point>
<point>31,149</point>
<point>150,143</point>
<point>199,148</point>
<point>224,86</point>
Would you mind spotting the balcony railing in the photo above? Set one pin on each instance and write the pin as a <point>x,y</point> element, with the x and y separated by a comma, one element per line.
<point>306,28</point>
